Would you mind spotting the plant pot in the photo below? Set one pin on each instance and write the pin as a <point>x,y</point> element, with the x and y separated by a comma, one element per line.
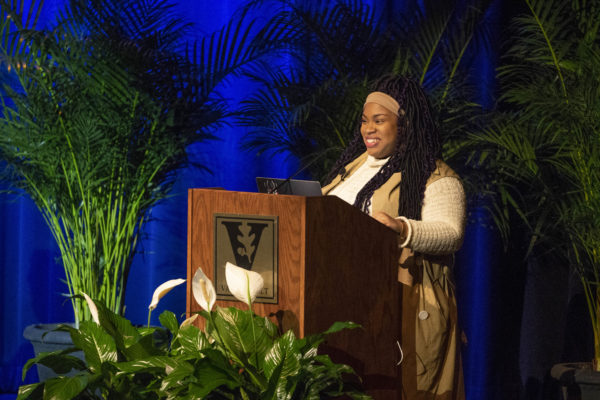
<point>579,381</point>
<point>44,339</point>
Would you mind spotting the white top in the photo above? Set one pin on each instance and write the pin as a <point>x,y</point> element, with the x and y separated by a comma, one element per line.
<point>348,188</point>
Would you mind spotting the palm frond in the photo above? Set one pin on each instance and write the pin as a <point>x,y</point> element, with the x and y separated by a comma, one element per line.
<point>337,49</point>
<point>100,113</point>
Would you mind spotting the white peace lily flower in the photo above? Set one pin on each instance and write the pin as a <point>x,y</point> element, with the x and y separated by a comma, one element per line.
<point>162,290</point>
<point>188,321</point>
<point>203,290</point>
<point>93,308</point>
<point>243,283</point>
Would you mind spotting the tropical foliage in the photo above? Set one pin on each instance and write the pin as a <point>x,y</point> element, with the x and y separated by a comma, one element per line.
<point>542,149</point>
<point>237,356</point>
<point>310,106</point>
<point>96,116</point>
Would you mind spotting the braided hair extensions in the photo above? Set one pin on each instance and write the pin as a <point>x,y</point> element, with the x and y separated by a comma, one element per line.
<point>417,147</point>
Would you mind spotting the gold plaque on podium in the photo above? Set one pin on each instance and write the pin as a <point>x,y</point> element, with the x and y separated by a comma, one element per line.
<point>250,242</point>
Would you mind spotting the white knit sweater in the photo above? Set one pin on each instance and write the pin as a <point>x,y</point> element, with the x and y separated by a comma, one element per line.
<point>442,225</point>
<point>349,187</point>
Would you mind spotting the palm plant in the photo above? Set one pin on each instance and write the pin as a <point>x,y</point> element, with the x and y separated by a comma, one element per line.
<point>544,141</point>
<point>311,106</point>
<point>96,120</point>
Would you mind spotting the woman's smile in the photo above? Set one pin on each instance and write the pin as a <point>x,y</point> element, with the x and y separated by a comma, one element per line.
<point>379,129</point>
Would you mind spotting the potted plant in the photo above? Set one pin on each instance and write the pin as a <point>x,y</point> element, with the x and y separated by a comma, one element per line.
<point>542,146</point>
<point>237,356</point>
<point>95,119</point>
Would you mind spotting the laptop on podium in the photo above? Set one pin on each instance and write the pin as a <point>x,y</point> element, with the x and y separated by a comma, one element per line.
<point>296,187</point>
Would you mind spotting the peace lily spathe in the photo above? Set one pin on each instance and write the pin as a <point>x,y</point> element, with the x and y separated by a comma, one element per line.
<point>188,321</point>
<point>162,290</point>
<point>243,284</point>
<point>92,307</point>
<point>203,290</point>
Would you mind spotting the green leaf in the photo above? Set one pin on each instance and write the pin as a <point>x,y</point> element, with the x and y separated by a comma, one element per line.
<point>149,343</point>
<point>169,321</point>
<point>178,377</point>
<point>60,362</point>
<point>125,335</point>
<point>234,331</point>
<point>339,326</point>
<point>32,391</point>
<point>191,340</point>
<point>309,344</point>
<point>154,363</point>
<point>65,388</point>
<point>282,367</point>
<point>120,328</point>
<point>285,354</point>
<point>97,345</point>
<point>274,383</point>
<point>322,377</point>
<point>211,377</point>
<point>206,374</point>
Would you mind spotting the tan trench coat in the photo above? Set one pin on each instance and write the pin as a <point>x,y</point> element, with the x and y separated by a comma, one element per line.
<point>431,368</point>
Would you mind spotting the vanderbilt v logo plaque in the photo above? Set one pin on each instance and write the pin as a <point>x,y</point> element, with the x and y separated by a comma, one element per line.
<point>250,242</point>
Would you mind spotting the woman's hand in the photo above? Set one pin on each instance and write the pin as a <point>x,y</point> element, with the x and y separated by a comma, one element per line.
<point>396,224</point>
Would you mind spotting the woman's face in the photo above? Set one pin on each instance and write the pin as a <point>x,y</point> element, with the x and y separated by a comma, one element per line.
<point>379,129</point>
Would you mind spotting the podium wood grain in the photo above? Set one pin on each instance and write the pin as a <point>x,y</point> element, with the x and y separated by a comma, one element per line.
<point>335,264</point>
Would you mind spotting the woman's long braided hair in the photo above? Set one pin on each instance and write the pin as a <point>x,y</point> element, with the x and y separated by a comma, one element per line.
<point>417,148</point>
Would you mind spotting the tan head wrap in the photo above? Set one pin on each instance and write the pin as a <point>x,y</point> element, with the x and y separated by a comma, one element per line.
<point>384,100</point>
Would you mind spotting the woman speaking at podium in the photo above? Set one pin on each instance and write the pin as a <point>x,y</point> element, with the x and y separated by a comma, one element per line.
<point>392,171</point>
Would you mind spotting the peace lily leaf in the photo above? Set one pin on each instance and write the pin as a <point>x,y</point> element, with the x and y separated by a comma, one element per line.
<point>92,307</point>
<point>213,371</point>
<point>265,333</point>
<point>190,339</point>
<point>34,391</point>
<point>340,326</point>
<point>97,345</point>
<point>162,290</point>
<point>131,342</point>
<point>65,387</point>
<point>310,343</point>
<point>235,331</point>
<point>264,323</point>
<point>169,321</point>
<point>205,376</point>
<point>325,377</point>
<point>156,363</point>
<point>150,342</point>
<point>210,378</point>
<point>233,326</point>
<point>116,326</point>
<point>60,363</point>
<point>274,383</point>
<point>244,285</point>
<point>283,353</point>
<point>203,290</point>
<point>242,333</point>
<point>177,374</point>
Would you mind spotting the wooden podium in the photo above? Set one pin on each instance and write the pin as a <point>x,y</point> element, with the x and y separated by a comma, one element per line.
<point>335,263</point>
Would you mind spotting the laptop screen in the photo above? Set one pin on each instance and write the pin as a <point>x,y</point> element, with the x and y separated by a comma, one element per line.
<point>297,187</point>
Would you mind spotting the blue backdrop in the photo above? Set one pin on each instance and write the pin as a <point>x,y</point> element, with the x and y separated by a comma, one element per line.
<point>29,260</point>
